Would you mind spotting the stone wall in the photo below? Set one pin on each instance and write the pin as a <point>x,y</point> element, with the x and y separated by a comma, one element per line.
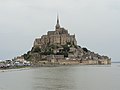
<point>69,62</point>
<point>60,36</point>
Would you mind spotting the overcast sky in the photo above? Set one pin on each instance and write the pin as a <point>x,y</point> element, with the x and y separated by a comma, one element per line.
<point>96,24</point>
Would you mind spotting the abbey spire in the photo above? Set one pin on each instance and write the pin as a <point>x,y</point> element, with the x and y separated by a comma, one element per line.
<point>57,25</point>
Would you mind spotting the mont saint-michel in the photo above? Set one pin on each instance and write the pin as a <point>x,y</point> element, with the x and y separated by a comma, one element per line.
<point>60,47</point>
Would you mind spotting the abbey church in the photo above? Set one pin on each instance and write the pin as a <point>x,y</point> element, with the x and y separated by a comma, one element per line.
<point>60,47</point>
<point>58,37</point>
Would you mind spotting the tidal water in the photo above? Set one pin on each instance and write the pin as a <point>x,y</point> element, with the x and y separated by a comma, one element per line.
<point>87,77</point>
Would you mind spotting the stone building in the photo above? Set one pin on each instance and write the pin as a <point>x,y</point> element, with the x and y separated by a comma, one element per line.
<point>58,37</point>
<point>61,47</point>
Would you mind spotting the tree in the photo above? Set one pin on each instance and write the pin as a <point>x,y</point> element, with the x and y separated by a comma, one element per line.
<point>65,54</point>
<point>66,48</point>
<point>26,56</point>
<point>36,49</point>
<point>85,49</point>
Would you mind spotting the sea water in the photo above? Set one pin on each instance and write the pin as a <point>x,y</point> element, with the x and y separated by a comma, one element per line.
<point>74,77</point>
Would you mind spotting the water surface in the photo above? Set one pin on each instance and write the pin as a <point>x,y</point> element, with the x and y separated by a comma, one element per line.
<point>88,77</point>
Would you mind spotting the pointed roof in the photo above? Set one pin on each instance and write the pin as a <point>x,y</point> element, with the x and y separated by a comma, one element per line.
<point>57,19</point>
<point>57,25</point>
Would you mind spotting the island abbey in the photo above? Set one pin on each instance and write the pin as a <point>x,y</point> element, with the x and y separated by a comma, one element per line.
<point>58,46</point>
<point>58,37</point>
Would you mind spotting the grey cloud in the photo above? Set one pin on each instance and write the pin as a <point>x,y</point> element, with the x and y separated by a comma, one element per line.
<point>95,23</point>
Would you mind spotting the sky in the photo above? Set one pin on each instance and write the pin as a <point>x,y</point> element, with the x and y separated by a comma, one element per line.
<point>96,24</point>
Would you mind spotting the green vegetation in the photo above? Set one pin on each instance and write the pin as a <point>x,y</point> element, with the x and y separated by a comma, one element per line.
<point>79,46</point>
<point>65,54</point>
<point>36,49</point>
<point>66,48</point>
<point>27,56</point>
<point>75,46</point>
<point>49,50</point>
<point>85,49</point>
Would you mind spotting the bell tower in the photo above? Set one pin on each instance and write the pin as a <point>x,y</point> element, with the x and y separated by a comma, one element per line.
<point>57,25</point>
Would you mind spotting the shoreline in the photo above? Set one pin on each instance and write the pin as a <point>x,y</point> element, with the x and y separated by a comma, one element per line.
<point>57,63</point>
<point>48,65</point>
<point>32,67</point>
